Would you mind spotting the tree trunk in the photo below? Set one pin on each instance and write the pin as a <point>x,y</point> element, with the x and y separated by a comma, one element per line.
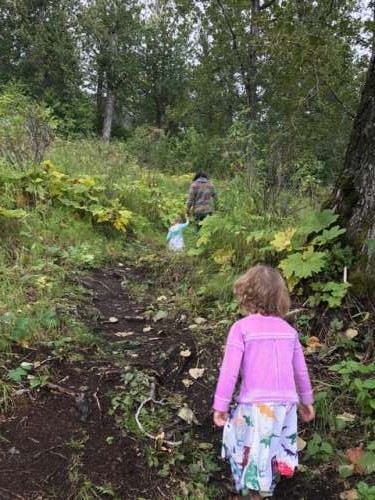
<point>99,101</point>
<point>108,116</point>
<point>354,194</point>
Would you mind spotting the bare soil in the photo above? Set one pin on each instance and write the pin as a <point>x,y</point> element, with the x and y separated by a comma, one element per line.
<point>51,442</point>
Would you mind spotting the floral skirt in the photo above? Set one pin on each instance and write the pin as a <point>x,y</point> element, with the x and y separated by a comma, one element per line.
<point>260,442</point>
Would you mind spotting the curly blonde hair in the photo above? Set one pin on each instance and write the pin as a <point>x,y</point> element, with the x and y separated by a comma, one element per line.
<point>262,290</point>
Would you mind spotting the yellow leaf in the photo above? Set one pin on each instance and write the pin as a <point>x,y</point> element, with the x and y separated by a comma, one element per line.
<point>282,240</point>
<point>223,256</point>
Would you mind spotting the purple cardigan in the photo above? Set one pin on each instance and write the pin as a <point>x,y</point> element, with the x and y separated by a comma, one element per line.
<point>267,352</point>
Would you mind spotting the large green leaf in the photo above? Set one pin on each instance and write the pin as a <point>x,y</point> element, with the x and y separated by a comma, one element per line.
<point>313,221</point>
<point>303,264</point>
<point>328,235</point>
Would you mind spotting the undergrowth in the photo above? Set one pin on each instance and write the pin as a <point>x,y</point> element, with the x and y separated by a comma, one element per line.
<point>89,201</point>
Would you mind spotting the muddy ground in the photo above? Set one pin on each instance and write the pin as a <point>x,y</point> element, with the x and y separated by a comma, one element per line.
<point>60,441</point>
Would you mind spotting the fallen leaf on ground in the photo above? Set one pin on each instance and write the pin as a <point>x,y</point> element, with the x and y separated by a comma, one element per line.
<point>301,444</point>
<point>199,320</point>
<point>160,315</point>
<point>187,414</point>
<point>187,382</point>
<point>349,495</point>
<point>196,372</point>
<point>193,327</point>
<point>162,298</point>
<point>313,343</point>
<point>113,319</point>
<point>354,454</point>
<point>186,353</point>
<point>346,417</point>
<point>350,333</point>
<point>124,334</point>
<point>147,329</point>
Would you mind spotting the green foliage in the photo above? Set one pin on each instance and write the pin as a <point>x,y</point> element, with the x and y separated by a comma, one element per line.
<point>26,128</point>
<point>359,380</point>
<point>244,235</point>
<point>319,449</point>
<point>331,292</point>
<point>302,265</point>
<point>17,213</point>
<point>365,491</point>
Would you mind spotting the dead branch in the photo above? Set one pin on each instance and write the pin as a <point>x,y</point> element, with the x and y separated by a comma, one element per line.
<point>62,390</point>
<point>294,312</point>
<point>151,399</point>
<point>37,455</point>
<point>95,395</point>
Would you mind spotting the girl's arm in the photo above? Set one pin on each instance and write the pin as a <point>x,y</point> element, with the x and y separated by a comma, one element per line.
<point>301,375</point>
<point>169,235</point>
<point>230,368</point>
<point>184,225</point>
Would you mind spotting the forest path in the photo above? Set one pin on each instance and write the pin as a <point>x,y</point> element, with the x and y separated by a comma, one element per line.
<point>69,440</point>
<point>61,442</point>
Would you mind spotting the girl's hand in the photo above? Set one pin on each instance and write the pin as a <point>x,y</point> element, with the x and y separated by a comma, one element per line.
<point>220,418</point>
<point>307,412</point>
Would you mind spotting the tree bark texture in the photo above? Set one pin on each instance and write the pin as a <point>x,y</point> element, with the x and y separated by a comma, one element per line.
<point>108,116</point>
<point>354,196</point>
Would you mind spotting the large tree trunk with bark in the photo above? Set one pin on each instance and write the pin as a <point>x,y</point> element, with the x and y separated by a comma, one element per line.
<point>354,195</point>
<point>108,116</point>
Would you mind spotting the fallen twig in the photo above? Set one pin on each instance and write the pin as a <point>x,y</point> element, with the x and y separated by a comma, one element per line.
<point>61,389</point>
<point>95,396</point>
<point>294,312</point>
<point>151,399</point>
<point>37,455</point>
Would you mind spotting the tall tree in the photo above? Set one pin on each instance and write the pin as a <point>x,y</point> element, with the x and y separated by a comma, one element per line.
<point>165,58</point>
<point>354,195</point>
<point>38,47</point>
<point>113,31</point>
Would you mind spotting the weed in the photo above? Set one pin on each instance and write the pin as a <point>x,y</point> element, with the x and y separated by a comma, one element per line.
<point>5,395</point>
<point>318,448</point>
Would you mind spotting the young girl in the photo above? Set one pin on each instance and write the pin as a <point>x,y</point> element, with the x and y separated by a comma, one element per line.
<point>260,434</point>
<point>175,237</point>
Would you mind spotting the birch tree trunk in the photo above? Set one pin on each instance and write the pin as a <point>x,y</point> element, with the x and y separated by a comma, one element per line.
<point>108,116</point>
<point>354,195</point>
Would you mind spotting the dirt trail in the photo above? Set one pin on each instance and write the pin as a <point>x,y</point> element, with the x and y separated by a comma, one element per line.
<point>66,446</point>
<point>51,443</point>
